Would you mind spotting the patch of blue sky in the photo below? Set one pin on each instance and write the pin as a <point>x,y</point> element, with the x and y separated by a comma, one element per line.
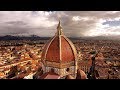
<point>112,23</point>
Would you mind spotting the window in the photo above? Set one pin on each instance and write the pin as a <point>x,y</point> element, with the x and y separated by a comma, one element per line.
<point>52,70</point>
<point>68,69</point>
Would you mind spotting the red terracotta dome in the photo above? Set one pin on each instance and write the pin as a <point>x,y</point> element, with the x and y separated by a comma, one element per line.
<point>59,48</point>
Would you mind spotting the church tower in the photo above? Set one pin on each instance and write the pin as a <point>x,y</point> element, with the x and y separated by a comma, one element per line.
<point>59,55</point>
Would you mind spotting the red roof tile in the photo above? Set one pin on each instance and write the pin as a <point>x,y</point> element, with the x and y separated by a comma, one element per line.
<point>49,75</point>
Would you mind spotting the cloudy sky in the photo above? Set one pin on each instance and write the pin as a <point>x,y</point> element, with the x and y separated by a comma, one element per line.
<point>74,23</point>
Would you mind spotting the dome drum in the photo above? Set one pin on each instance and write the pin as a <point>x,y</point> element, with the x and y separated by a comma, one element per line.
<point>59,65</point>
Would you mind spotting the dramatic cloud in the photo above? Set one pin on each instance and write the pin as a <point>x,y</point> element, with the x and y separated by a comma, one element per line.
<point>74,23</point>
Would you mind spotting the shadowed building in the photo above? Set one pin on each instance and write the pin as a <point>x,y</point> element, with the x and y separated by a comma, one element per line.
<point>12,72</point>
<point>93,73</point>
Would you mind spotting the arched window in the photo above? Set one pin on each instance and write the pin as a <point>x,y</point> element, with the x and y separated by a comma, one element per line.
<point>52,70</point>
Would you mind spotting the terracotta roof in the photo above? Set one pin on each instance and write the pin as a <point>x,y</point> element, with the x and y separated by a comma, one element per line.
<point>67,53</point>
<point>53,53</point>
<point>1,74</point>
<point>21,76</point>
<point>81,74</point>
<point>49,75</point>
<point>85,63</point>
<point>69,77</point>
<point>15,63</point>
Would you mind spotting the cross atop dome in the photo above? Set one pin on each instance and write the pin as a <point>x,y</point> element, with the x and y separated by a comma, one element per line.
<point>59,29</point>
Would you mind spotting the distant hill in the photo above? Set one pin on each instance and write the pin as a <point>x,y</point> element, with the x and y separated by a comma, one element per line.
<point>98,38</point>
<point>35,37</point>
<point>32,37</point>
<point>104,38</point>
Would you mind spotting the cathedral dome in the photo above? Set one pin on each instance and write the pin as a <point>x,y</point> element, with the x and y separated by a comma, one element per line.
<point>59,48</point>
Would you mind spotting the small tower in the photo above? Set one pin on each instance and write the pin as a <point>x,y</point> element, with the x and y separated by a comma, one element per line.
<point>93,73</point>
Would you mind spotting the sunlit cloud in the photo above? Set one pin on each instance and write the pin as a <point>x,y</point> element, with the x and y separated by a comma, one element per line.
<point>74,23</point>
